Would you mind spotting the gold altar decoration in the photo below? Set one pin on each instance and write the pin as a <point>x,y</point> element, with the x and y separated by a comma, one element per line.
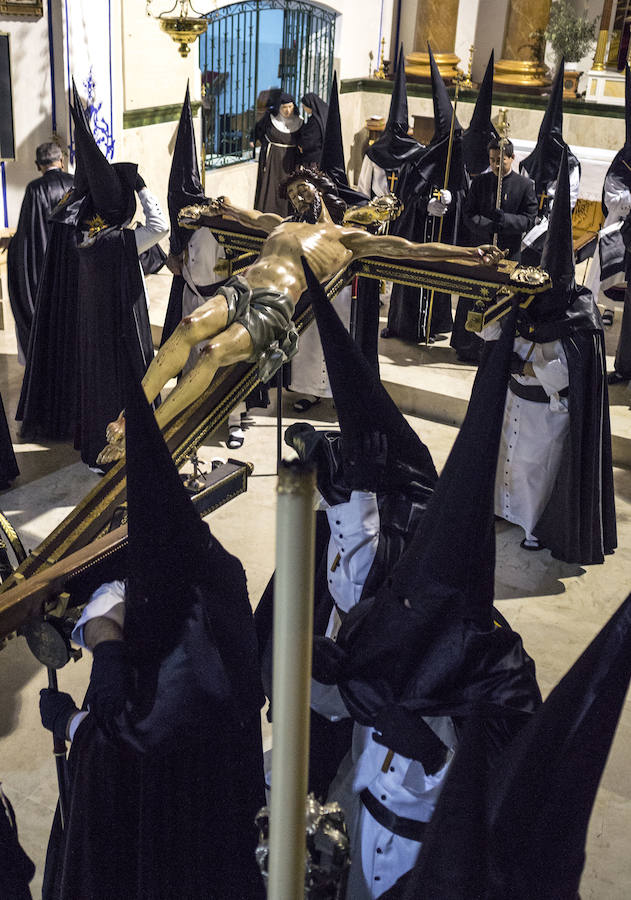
<point>521,66</point>
<point>603,37</point>
<point>381,71</point>
<point>466,82</point>
<point>435,25</point>
<point>184,29</point>
<point>33,9</point>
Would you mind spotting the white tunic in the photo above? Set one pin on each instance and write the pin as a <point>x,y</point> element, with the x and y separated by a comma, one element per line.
<point>533,435</point>
<point>373,181</point>
<point>617,199</point>
<point>542,226</point>
<point>379,857</point>
<point>308,368</point>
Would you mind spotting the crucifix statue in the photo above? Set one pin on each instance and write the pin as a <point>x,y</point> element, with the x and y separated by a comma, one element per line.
<point>250,317</point>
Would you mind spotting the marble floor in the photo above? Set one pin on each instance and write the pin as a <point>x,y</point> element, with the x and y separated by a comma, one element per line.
<point>556,607</point>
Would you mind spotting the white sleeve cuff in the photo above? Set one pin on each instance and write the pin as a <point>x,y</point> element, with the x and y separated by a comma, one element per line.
<point>107,602</point>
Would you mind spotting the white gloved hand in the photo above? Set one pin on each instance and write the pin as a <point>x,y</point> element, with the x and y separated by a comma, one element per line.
<point>445,197</point>
<point>436,208</point>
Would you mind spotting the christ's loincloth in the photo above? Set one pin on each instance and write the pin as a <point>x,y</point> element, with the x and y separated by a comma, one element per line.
<point>266,316</point>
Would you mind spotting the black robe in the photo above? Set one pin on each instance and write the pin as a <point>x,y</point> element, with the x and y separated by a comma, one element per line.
<point>162,806</point>
<point>409,306</point>
<point>519,205</point>
<point>8,465</point>
<point>114,340</point>
<point>277,160</point>
<point>48,402</point>
<point>16,869</point>
<point>578,524</point>
<point>311,134</point>
<point>25,257</point>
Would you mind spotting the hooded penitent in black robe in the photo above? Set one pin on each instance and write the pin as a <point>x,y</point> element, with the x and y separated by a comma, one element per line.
<point>163,795</point>
<point>27,249</point>
<point>408,317</point>
<point>542,164</point>
<point>48,402</point>
<point>578,524</point>
<point>114,340</point>
<point>394,147</point>
<point>429,641</point>
<point>311,135</point>
<point>403,490</point>
<point>514,825</point>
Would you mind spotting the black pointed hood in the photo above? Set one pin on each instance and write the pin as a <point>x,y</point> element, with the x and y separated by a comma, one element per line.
<point>443,110</point>
<point>362,403</point>
<point>395,147</point>
<point>428,171</point>
<point>542,164</point>
<point>620,167</point>
<point>545,785</point>
<point>185,187</point>
<point>428,641</point>
<point>110,188</point>
<point>332,161</point>
<point>481,129</point>
<point>184,588</point>
<point>453,552</point>
<point>67,211</point>
<point>557,259</point>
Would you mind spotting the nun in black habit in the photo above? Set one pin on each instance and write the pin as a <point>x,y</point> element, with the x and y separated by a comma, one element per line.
<point>311,135</point>
<point>542,166</point>
<point>165,771</point>
<point>426,200</point>
<point>278,133</point>
<point>27,248</point>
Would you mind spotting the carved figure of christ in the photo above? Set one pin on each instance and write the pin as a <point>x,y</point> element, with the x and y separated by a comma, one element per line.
<point>327,247</point>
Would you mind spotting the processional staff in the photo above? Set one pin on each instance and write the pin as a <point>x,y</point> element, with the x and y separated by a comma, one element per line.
<point>502,126</point>
<point>457,81</point>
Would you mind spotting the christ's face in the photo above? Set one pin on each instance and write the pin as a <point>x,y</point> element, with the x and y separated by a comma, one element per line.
<point>301,194</point>
<point>286,110</point>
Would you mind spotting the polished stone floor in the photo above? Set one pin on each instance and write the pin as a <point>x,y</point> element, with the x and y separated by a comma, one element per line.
<point>557,608</point>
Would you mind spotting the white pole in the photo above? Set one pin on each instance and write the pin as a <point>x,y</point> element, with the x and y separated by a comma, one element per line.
<point>293,635</point>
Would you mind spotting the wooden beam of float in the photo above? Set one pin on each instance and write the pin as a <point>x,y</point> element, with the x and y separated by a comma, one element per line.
<point>202,418</point>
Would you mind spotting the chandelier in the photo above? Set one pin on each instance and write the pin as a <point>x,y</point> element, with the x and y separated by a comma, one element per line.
<point>184,29</point>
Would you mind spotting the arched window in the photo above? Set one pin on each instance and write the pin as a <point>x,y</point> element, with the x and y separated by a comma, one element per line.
<point>250,49</point>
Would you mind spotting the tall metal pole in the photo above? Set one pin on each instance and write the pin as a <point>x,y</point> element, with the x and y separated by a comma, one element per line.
<point>293,635</point>
<point>445,186</point>
<point>59,752</point>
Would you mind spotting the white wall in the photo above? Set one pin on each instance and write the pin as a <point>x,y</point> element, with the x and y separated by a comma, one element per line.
<point>32,102</point>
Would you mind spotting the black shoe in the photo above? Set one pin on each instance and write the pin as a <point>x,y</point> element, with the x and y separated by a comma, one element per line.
<point>531,545</point>
<point>616,378</point>
<point>302,406</point>
<point>235,438</point>
<point>385,332</point>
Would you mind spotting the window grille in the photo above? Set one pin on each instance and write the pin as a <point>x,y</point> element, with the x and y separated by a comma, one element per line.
<point>250,49</point>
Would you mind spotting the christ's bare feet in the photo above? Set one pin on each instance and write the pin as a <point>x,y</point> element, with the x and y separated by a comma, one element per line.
<point>115,431</point>
<point>112,452</point>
